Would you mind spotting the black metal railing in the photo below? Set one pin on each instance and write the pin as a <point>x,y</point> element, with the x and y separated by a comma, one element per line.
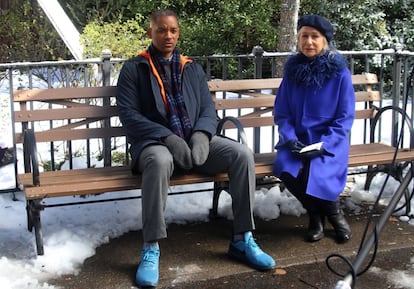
<point>393,68</point>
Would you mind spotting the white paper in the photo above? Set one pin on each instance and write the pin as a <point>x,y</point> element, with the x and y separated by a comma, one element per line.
<point>315,146</point>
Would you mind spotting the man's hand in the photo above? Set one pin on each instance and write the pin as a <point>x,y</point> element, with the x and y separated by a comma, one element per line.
<point>180,151</point>
<point>200,147</point>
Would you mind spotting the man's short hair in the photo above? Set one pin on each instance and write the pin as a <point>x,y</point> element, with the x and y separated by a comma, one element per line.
<point>162,12</point>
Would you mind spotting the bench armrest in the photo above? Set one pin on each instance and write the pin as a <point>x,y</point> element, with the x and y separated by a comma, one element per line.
<point>404,116</point>
<point>30,155</point>
<point>240,129</point>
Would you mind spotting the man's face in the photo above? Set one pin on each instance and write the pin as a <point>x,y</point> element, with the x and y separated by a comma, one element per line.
<point>164,33</point>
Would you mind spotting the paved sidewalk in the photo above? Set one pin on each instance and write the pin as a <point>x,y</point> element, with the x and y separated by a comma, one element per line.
<point>194,256</point>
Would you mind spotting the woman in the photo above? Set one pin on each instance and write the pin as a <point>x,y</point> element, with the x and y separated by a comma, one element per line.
<point>315,104</point>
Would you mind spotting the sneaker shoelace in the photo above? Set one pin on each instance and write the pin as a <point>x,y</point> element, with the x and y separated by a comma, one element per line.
<point>252,245</point>
<point>150,258</point>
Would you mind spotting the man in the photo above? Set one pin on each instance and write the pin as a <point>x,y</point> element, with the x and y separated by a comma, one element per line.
<point>166,108</point>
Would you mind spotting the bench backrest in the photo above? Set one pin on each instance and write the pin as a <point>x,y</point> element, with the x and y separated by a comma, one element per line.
<point>259,94</point>
<point>77,113</point>
<point>68,114</point>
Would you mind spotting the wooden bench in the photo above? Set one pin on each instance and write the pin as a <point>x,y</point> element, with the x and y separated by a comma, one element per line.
<point>65,116</point>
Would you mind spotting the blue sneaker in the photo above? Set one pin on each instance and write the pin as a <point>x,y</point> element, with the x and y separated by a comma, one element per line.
<point>147,273</point>
<point>249,252</point>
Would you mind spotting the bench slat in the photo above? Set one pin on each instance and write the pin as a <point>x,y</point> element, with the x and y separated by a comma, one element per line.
<point>236,103</point>
<point>364,113</point>
<point>63,93</point>
<point>244,84</point>
<point>365,79</point>
<point>74,134</point>
<point>62,184</point>
<point>99,180</point>
<point>376,154</point>
<point>66,113</point>
<point>252,122</point>
<point>364,96</point>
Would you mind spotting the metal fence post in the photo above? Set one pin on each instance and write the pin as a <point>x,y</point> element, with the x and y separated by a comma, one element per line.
<point>258,52</point>
<point>106,56</point>
<point>396,94</point>
<point>106,81</point>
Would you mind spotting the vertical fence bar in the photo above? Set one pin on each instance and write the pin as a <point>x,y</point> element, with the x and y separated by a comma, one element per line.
<point>106,81</point>
<point>411,85</point>
<point>208,69</point>
<point>367,62</point>
<point>87,101</point>
<point>381,89</point>
<point>396,95</point>
<point>239,68</point>
<point>404,91</point>
<point>224,68</point>
<point>258,52</point>
<point>11,103</point>
<point>67,82</point>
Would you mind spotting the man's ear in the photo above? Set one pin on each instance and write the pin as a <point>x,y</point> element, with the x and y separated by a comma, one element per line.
<point>149,32</point>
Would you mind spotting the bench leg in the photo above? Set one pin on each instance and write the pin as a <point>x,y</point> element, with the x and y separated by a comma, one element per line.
<point>216,196</point>
<point>33,209</point>
<point>218,187</point>
<point>371,173</point>
<point>399,176</point>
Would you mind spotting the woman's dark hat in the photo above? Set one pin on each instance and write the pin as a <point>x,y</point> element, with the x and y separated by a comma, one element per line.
<point>319,23</point>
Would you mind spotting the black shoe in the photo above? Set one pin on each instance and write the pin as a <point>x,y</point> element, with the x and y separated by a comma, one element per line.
<point>342,229</point>
<point>315,228</point>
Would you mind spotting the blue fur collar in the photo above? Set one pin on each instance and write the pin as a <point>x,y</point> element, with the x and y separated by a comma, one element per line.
<point>302,70</point>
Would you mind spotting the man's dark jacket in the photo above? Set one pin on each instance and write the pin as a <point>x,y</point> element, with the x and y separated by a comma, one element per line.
<point>143,112</point>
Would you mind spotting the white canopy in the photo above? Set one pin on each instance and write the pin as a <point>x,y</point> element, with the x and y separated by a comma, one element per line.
<point>63,26</point>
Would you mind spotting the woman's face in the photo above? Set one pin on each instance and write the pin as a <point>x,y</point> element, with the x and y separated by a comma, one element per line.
<point>311,42</point>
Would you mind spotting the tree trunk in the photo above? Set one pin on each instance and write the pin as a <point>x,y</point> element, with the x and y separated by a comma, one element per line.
<point>286,41</point>
<point>5,5</point>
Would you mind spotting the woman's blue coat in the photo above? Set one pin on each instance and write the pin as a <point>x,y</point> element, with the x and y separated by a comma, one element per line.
<point>316,114</point>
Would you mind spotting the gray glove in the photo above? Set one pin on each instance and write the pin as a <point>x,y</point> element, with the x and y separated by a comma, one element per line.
<point>180,151</point>
<point>200,146</point>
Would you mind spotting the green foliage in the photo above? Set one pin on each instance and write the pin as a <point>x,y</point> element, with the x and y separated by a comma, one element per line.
<point>81,12</point>
<point>119,157</point>
<point>367,24</point>
<point>123,38</point>
<point>400,21</point>
<point>27,35</point>
<point>207,27</point>
<point>47,166</point>
<point>230,27</point>
<point>366,31</point>
<point>235,27</point>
